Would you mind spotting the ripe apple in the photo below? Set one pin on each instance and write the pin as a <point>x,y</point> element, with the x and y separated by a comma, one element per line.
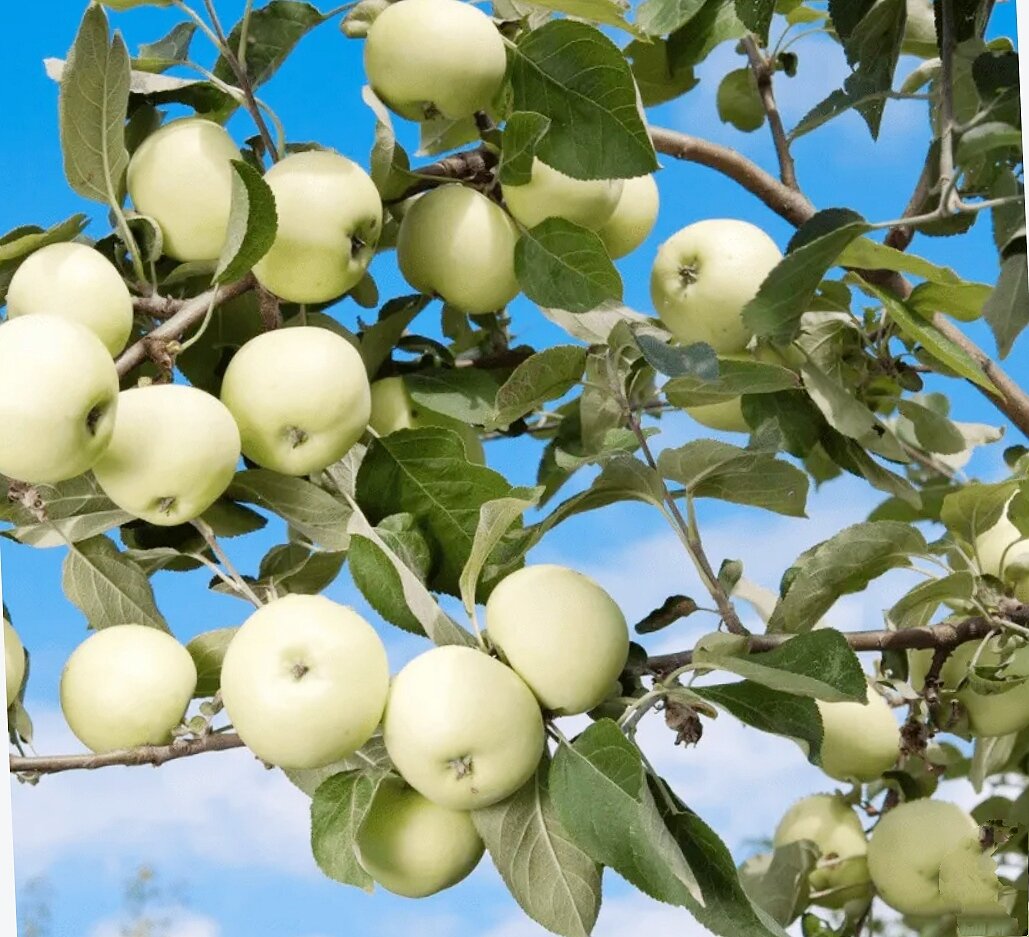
<point>561,633</point>
<point>330,219</point>
<point>831,824</point>
<point>907,848</point>
<point>181,176</point>
<point>413,847</point>
<point>127,686</point>
<point>1003,552</point>
<point>860,740</point>
<point>58,397</point>
<point>304,681</point>
<point>300,397</point>
<point>633,218</point>
<point>434,58</point>
<point>393,409</point>
<point>173,452</point>
<point>76,282</point>
<point>462,728</point>
<point>457,244</point>
<point>14,662</point>
<point>920,30</point>
<point>703,277</point>
<point>551,194</point>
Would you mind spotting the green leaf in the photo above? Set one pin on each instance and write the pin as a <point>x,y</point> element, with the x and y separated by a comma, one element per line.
<point>975,508</point>
<point>547,375</point>
<point>934,432</point>
<point>778,881</point>
<point>604,12</point>
<point>659,79</point>
<point>465,394</point>
<point>851,456</point>
<point>166,53</point>
<point>378,340</point>
<point>917,608</point>
<point>292,568</point>
<point>253,222</point>
<point>697,361</point>
<point>786,419</point>
<point>841,409</point>
<point>871,255</point>
<point>369,759</point>
<point>522,134</point>
<point>734,379</point>
<point>389,163</point>
<point>873,48</point>
<point>985,138</point>
<point>338,809</point>
<point>1007,309</point>
<point>62,531</point>
<point>660,17</point>
<point>16,245</point>
<point>208,652</point>
<point>756,15</point>
<point>738,100</point>
<point>963,301</point>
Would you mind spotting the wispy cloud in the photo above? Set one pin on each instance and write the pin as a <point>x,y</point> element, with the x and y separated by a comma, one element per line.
<point>174,922</point>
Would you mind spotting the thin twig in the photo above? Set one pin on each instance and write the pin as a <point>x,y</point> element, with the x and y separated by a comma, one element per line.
<point>762,70</point>
<point>242,587</point>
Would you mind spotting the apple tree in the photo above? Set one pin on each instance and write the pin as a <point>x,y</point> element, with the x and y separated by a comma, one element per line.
<point>223,357</point>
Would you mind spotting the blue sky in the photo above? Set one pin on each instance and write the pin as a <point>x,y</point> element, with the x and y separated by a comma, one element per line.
<point>229,837</point>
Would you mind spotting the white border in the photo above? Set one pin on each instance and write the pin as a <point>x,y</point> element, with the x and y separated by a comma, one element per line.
<point>8,914</point>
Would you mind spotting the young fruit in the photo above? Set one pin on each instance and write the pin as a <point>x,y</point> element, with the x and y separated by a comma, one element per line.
<point>58,396</point>
<point>703,277</point>
<point>300,397</point>
<point>329,222</point>
<point>860,740</point>
<point>14,662</point>
<point>543,618</point>
<point>74,281</point>
<point>304,681</point>
<point>127,686</point>
<point>551,194</point>
<point>181,175</point>
<point>413,847</point>
<point>457,244</point>
<point>461,728</point>
<point>633,218</point>
<point>434,58</point>
<point>173,453</point>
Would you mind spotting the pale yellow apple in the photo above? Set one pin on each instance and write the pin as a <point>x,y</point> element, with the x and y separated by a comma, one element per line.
<point>434,58</point>
<point>633,218</point>
<point>329,222</point>
<point>457,244</point>
<point>304,681</point>
<point>920,30</point>
<point>58,398</point>
<point>968,878</point>
<point>181,176</point>
<point>462,728</point>
<point>173,453</point>
<point>413,847</point>
<point>127,686</point>
<point>561,633</point>
<point>14,662</point>
<point>860,740</point>
<point>1003,551</point>
<point>549,193</point>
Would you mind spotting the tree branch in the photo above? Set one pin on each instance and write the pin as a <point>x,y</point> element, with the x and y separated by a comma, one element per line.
<point>763,70</point>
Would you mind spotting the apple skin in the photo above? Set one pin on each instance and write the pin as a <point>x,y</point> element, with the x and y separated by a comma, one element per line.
<point>907,848</point>
<point>173,452</point>
<point>561,633</point>
<point>330,220</point>
<point>457,244</point>
<point>920,30</point>
<point>393,409</point>
<point>77,282</point>
<point>703,277</point>
<point>300,397</point>
<point>58,398</point>
<point>427,58</point>
<point>413,847</point>
<point>462,728</point>
<point>634,217</point>
<point>549,193</point>
<point>14,662</point>
<point>832,825</point>
<point>860,740</point>
<point>181,175</point>
<point>1003,543</point>
<point>304,681</point>
<point>127,686</point>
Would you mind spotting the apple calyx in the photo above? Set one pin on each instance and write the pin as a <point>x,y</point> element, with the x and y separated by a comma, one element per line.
<point>688,273</point>
<point>463,766</point>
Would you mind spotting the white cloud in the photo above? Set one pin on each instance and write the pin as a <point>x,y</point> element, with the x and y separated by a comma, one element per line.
<point>175,922</point>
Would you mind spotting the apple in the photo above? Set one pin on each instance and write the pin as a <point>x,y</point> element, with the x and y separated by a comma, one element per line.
<point>393,409</point>
<point>633,218</point>
<point>1003,551</point>
<point>58,397</point>
<point>14,662</point>
<point>462,728</point>
<point>920,30</point>
<point>181,176</point>
<point>831,824</point>
<point>457,244</point>
<point>434,58</point>
<point>413,847</point>
<point>77,282</point>
<point>968,878</point>
<point>127,686</point>
<point>304,681</point>
<point>300,397</point>
<point>329,222</point>
<point>549,193</point>
<point>907,849</point>
<point>703,277</point>
<point>561,633</point>
<point>173,453</point>
<point>860,740</point>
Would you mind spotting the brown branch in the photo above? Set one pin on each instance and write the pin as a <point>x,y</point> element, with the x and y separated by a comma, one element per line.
<point>901,236</point>
<point>763,70</point>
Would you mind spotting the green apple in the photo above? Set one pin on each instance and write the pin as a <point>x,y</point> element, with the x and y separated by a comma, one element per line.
<point>173,453</point>
<point>76,282</point>
<point>703,277</point>
<point>127,686</point>
<point>633,218</point>
<point>181,176</point>
<point>14,662</point>
<point>831,824</point>
<point>434,58</point>
<point>457,244</point>
<point>561,633</point>
<point>304,681</point>
<point>393,409</point>
<point>968,878</point>
<point>300,397</point>
<point>58,397</point>
<point>920,30</point>
<point>907,849</point>
<point>1003,551</point>
<point>413,847</point>
<point>462,729</point>
<point>860,740</point>
<point>551,194</point>
<point>329,222</point>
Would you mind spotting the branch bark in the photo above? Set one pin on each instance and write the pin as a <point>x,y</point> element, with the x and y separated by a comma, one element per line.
<point>763,70</point>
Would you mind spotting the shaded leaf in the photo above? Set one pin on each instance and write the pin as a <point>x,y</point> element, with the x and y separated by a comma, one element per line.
<point>253,221</point>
